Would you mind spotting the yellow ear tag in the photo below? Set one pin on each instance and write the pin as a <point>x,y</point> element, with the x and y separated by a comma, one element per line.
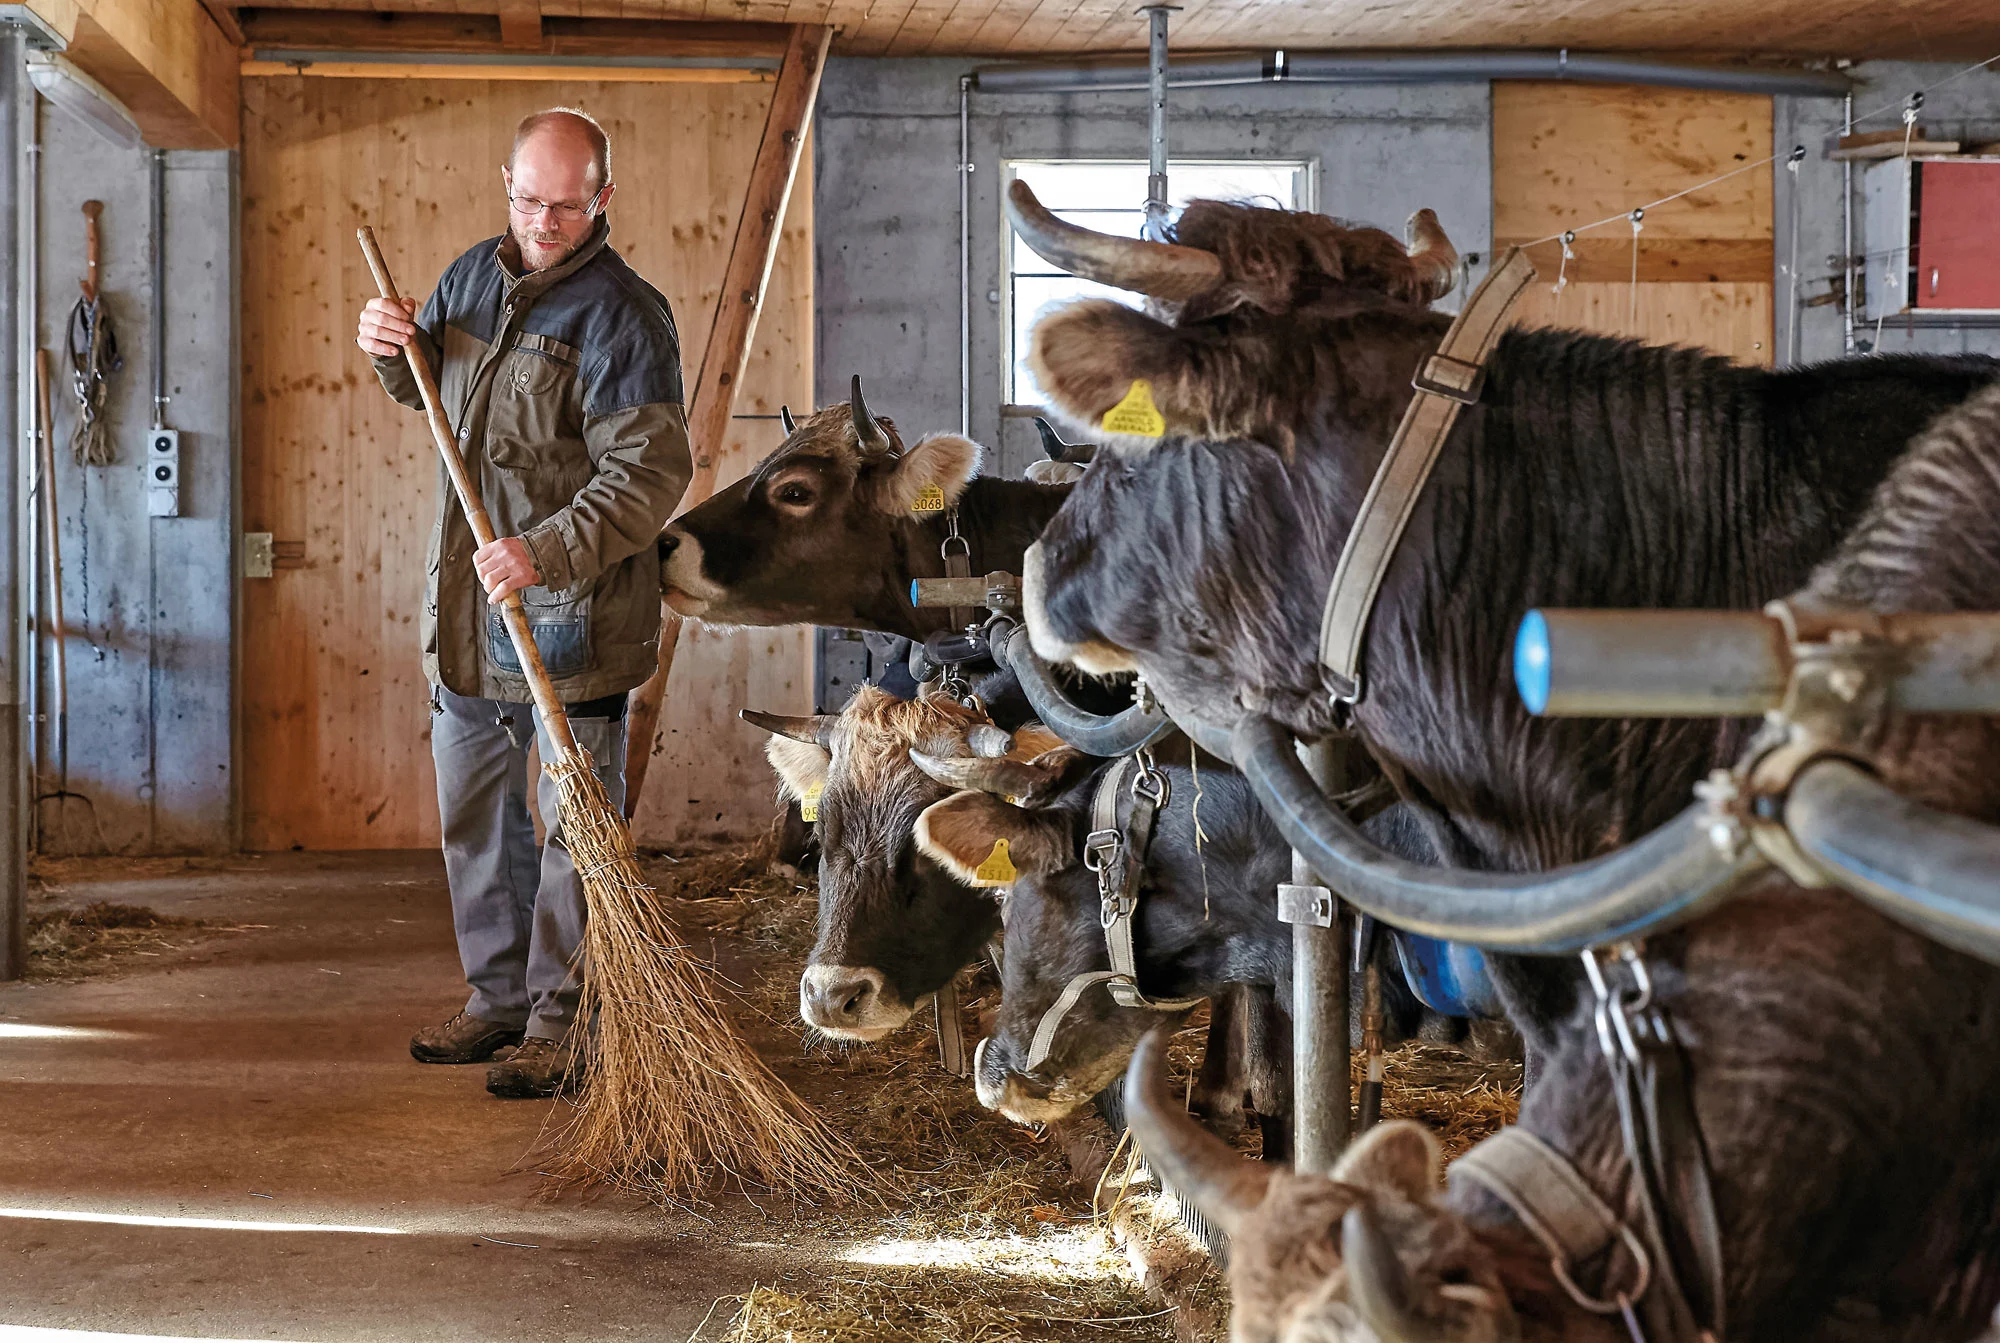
<point>1136,414</point>
<point>930,499</point>
<point>809,804</point>
<point>998,869</point>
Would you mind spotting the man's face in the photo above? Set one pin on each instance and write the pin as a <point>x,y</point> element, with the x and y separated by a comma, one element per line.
<point>556,170</point>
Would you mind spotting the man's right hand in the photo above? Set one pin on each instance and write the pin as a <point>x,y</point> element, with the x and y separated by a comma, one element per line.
<point>387,327</point>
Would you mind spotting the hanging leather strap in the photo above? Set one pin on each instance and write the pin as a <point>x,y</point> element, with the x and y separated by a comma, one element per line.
<point>1449,380</point>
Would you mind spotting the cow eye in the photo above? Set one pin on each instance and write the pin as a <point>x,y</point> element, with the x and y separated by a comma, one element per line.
<point>792,492</point>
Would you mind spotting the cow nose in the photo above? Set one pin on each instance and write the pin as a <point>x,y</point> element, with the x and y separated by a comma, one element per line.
<point>839,997</point>
<point>670,541</point>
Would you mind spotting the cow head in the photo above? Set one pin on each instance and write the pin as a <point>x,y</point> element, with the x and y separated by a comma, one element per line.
<point>1240,300</point>
<point>1370,1255</point>
<point>786,544</point>
<point>894,924</point>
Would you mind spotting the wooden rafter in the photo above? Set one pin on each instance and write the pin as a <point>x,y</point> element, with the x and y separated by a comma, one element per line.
<point>722,363</point>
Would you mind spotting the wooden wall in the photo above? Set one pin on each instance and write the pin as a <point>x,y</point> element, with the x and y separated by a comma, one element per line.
<point>1565,155</point>
<point>335,727</point>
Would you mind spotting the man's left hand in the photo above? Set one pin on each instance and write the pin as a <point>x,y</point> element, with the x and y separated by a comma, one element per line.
<point>505,565</point>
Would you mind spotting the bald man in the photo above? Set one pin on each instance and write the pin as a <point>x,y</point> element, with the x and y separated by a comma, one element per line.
<point>561,370</point>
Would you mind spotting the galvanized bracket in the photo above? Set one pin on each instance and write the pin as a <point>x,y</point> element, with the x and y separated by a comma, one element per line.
<point>1312,906</point>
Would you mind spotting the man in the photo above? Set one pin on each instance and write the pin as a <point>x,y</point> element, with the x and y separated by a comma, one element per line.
<point>560,369</point>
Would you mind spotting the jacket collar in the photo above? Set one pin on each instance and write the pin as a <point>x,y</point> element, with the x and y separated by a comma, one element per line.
<point>507,256</point>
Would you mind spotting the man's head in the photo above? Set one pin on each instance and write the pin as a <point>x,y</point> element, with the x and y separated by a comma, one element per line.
<point>558,180</point>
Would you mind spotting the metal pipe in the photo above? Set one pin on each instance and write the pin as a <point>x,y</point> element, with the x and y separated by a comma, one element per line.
<point>159,208</point>
<point>1156,88</point>
<point>32,429</point>
<point>965,255</point>
<point>1928,870</point>
<point>14,110</point>
<point>1095,734</point>
<point>1682,664</point>
<point>1847,230</point>
<point>1321,1085</point>
<point>1404,67</point>
<point>1670,875</point>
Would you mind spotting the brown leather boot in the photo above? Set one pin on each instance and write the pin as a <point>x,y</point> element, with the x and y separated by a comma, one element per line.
<point>536,1071</point>
<point>463,1039</point>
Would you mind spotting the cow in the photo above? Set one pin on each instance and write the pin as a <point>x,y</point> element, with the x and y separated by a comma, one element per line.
<point>1592,471</point>
<point>832,528</point>
<point>1207,920</point>
<point>1843,1069</point>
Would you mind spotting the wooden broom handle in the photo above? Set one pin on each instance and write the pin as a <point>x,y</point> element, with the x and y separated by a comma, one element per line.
<point>554,719</point>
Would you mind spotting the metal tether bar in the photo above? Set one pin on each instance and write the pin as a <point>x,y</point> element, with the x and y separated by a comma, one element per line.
<point>1671,875</point>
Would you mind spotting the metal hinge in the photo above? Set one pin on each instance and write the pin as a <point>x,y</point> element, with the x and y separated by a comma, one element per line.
<point>1312,906</point>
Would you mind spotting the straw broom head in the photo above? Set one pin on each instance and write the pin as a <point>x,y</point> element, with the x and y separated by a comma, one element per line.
<point>674,1096</point>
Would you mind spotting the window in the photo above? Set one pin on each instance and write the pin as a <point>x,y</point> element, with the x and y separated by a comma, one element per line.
<point>1110,196</point>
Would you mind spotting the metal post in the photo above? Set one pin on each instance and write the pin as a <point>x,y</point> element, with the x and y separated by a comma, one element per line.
<point>14,109</point>
<point>1847,232</point>
<point>31,428</point>
<point>965,255</point>
<point>1156,182</point>
<point>1321,1087</point>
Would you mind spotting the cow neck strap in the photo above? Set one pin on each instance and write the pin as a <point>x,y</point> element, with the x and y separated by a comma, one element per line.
<point>956,552</point>
<point>1448,380</point>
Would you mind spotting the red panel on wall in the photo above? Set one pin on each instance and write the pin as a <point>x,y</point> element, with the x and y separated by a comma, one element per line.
<point>1958,223</point>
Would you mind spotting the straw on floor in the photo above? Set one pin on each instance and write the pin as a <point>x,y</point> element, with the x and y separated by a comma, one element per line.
<point>676,1097</point>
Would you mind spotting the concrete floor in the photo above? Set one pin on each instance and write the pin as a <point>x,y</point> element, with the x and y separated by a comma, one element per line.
<point>264,1077</point>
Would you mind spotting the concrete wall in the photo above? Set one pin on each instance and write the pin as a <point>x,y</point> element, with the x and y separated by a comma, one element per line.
<point>150,602</point>
<point>887,205</point>
<point>1967,108</point>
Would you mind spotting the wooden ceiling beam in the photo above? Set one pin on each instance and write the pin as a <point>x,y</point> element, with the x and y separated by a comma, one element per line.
<point>521,25</point>
<point>483,34</point>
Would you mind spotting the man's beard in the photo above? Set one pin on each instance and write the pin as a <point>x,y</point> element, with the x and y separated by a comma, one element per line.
<point>542,260</point>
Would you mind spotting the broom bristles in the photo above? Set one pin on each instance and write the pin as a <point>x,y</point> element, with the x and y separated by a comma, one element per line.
<point>674,1095</point>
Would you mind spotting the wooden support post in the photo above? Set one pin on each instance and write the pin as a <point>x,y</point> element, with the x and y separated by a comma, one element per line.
<point>728,352</point>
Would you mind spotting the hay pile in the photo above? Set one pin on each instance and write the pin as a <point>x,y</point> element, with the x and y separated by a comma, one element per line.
<point>69,943</point>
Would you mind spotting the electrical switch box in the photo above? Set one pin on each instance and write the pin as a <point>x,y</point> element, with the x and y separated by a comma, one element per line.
<point>1928,231</point>
<point>163,473</point>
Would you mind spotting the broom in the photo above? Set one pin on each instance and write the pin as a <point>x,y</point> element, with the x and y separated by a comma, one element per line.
<point>674,1095</point>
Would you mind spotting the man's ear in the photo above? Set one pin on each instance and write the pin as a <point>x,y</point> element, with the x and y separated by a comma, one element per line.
<point>801,765</point>
<point>1396,1157</point>
<point>985,841</point>
<point>1117,375</point>
<point>943,462</point>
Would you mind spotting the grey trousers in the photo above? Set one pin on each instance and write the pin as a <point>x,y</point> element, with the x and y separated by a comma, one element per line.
<point>518,911</point>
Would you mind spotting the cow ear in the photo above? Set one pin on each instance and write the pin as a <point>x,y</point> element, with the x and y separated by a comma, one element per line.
<point>801,765</point>
<point>930,477</point>
<point>986,841</point>
<point>1117,375</point>
<point>1397,1157</point>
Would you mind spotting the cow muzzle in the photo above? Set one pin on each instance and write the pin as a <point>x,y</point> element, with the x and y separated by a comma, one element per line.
<point>1093,656</point>
<point>850,1002</point>
<point>686,588</point>
<point>1024,1097</point>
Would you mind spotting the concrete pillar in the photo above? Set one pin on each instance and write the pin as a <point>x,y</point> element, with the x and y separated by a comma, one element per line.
<point>14,802</point>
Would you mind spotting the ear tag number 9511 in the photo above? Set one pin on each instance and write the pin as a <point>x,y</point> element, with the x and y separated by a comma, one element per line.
<point>1136,414</point>
<point>930,499</point>
<point>809,803</point>
<point>998,869</point>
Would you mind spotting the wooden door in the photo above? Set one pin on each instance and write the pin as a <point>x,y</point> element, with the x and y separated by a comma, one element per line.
<point>1566,155</point>
<point>335,725</point>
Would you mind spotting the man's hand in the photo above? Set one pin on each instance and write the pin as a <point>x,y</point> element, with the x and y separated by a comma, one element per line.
<point>387,327</point>
<point>505,565</point>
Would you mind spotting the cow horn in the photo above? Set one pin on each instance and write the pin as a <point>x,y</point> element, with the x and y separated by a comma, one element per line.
<point>1056,450</point>
<point>1377,1287</point>
<point>1160,269</point>
<point>1005,778</point>
<point>1433,260</point>
<point>866,432</point>
<point>791,425</point>
<point>1222,1186</point>
<point>816,728</point>
<point>989,741</point>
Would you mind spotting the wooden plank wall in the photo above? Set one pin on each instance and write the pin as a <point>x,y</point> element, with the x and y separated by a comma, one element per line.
<point>1571,154</point>
<point>336,750</point>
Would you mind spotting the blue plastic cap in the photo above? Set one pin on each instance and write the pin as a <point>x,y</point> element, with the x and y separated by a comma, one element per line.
<point>1531,661</point>
<point>913,592</point>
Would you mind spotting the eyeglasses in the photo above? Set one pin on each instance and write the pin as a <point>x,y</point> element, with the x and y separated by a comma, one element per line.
<point>566,211</point>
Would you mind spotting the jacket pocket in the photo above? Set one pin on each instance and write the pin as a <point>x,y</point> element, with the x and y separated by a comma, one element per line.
<point>561,634</point>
